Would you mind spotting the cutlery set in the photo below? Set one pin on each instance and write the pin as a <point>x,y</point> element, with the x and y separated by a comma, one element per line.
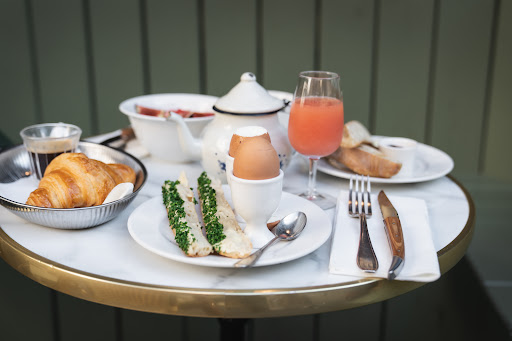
<point>360,206</point>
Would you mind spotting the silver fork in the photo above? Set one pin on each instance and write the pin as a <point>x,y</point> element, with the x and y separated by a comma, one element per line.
<point>360,208</point>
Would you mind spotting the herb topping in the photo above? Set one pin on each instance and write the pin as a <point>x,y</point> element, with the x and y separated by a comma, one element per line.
<point>214,229</point>
<point>176,214</point>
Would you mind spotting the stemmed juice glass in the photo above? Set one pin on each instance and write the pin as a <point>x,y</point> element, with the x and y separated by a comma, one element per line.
<point>315,127</point>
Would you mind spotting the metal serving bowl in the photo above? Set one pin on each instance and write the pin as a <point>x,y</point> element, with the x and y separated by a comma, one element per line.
<point>16,165</point>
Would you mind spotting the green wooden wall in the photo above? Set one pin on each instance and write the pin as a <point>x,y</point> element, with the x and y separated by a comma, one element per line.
<point>436,71</point>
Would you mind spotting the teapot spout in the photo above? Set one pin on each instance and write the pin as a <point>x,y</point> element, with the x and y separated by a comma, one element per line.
<point>189,144</point>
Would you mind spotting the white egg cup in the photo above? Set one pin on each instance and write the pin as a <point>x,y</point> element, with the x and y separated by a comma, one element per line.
<point>229,167</point>
<point>256,201</point>
<point>229,170</point>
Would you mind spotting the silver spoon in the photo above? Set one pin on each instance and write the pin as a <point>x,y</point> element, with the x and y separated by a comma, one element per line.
<point>288,229</point>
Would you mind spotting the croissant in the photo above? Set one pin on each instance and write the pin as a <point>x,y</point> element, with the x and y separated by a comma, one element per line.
<point>73,180</point>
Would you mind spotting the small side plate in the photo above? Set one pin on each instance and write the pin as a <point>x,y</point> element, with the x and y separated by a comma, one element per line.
<point>430,163</point>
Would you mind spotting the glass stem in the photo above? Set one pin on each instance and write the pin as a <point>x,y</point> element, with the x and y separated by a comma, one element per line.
<point>312,178</point>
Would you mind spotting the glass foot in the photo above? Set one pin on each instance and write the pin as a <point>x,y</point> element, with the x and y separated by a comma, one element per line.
<point>324,201</point>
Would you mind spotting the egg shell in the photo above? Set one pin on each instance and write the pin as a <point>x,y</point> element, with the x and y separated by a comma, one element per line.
<point>237,140</point>
<point>256,159</point>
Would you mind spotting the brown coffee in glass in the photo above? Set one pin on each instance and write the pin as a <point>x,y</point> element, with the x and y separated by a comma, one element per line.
<point>46,141</point>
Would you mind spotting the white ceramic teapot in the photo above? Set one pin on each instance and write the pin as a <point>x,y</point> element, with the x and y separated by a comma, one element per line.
<point>246,104</point>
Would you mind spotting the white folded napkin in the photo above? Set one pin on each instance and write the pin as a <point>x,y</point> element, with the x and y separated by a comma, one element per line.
<point>132,147</point>
<point>136,149</point>
<point>421,263</point>
<point>19,190</point>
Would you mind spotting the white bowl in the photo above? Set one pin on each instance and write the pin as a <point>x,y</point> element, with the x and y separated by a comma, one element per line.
<point>160,136</point>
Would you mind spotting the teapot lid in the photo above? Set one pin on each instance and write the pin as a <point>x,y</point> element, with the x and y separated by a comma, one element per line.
<point>248,97</point>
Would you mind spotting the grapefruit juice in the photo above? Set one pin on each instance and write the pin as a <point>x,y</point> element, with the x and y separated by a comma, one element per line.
<point>315,127</point>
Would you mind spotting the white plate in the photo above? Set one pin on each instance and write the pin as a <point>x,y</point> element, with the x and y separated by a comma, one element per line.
<point>430,163</point>
<point>148,225</point>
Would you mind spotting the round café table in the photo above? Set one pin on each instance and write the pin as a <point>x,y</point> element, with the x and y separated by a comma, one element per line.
<point>104,264</point>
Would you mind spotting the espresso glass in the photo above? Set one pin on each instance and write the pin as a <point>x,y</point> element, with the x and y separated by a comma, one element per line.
<point>44,142</point>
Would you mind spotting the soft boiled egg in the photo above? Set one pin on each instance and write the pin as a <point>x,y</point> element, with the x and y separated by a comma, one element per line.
<point>256,159</point>
<point>246,133</point>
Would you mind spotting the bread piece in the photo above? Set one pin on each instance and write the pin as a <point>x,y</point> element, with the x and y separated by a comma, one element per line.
<point>222,229</point>
<point>180,204</point>
<point>73,180</point>
<point>365,160</point>
<point>354,134</point>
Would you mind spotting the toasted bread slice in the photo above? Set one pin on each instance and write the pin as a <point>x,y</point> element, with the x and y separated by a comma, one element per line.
<point>180,203</point>
<point>365,160</point>
<point>222,229</point>
<point>355,134</point>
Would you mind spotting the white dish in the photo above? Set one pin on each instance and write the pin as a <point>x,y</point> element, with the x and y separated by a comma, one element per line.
<point>148,225</point>
<point>430,163</point>
<point>159,135</point>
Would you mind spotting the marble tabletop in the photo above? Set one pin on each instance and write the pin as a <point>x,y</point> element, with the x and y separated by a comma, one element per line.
<point>109,253</point>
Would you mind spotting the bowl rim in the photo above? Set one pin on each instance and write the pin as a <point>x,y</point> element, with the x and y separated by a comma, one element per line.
<point>112,203</point>
<point>124,110</point>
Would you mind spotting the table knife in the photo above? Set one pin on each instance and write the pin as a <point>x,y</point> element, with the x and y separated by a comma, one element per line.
<point>394,233</point>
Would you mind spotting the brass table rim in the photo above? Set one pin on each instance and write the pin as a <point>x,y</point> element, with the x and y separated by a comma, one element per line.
<point>34,257</point>
<point>23,260</point>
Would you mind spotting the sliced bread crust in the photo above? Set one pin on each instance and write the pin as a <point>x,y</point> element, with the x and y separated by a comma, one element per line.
<point>365,160</point>
<point>354,134</point>
<point>235,244</point>
<point>196,244</point>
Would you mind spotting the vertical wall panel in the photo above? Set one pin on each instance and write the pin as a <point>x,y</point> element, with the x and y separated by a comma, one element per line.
<point>16,87</point>
<point>155,327</point>
<point>117,58</point>
<point>83,320</point>
<point>173,46</point>
<point>288,42</point>
<point>60,43</point>
<point>498,159</point>
<point>297,328</point>
<point>455,307</point>
<point>460,80</point>
<point>362,323</point>
<point>230,43</point>
<point>209,330</point>
<point>25,307</point>
<point>403,68</point>
<point>346,48</point>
